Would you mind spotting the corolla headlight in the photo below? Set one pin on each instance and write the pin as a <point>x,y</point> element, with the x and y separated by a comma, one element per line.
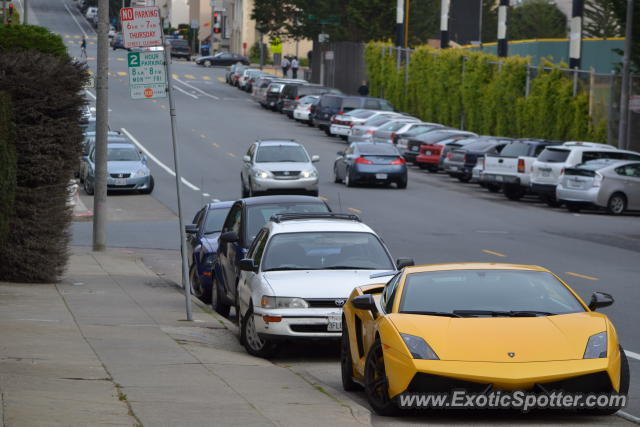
<point>309,174</point>
<point>596,346</point>
<point>141,172</point>
<point>262,174</point>
<point>282,302</point>
<point>419,348</point>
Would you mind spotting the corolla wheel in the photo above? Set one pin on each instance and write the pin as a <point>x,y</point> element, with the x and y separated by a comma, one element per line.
<point>376,385</point>
<point>255,345</point>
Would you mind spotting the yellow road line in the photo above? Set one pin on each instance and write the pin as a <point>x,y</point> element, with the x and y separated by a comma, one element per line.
<point>206,77</point>
<point>354,210</point>
<point>76,37</point>
<point>220,79</point>
<point>323,198</point>
<point>91,73</point>
<point>203,136</point>
<point>92,42</point>
<point>175,76</point>
<point>91,58</point>
<point>163,106</point>
<point>119,59</point>
<point>122,73</point>
<point>487,251</point>
<point>71,42</point>
<point>231,154</point>
<point>189,76</point>
<point>67,36</point>
<point>582,276</point>
<point>216,145</point>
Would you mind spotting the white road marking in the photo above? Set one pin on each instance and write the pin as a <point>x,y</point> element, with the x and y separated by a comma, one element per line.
<point>74,18</point>
<point>206,195</point>
<point>628,417</point>
<point>90,94</point>
<point>632,355</point>
<point>185,92</point>
<point>196,89</point>
<point>155,159</point>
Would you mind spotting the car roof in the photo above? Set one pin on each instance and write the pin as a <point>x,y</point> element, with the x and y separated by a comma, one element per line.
<point>264,200</point>
<point>534,141</point>
<point>318,224</point>
<point>603,163</point>
<point>591,147</point>
<point>272,142</point>
<point>122,145</point>
<point>472,266</point>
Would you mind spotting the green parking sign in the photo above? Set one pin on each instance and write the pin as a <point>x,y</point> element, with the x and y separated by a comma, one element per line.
<point>134,59</point>
<point>147,75</point>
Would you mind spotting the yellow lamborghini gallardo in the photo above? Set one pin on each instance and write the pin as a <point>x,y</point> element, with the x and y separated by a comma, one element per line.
<point>478,327</point>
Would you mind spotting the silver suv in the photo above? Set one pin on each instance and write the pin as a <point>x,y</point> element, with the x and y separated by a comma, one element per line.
<point>278,166</point>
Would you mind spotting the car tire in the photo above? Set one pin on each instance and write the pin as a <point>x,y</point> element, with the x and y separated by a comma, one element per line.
<point>245,192</point>
<point>255,345</point>
<point>335,176</point>
<point>309,123</point>
<point>314,193</point>
<point>493,188</point>
<point>88,188</point>
<point>513,192</point>
<point>375,382</point>
<point>402,184</point>
<point>433,169</point>
<point>422,166</point>
<point>216,300</point>
<point>149,190</point>
<point>196,285</point>
<point>464,178</point>
<point>327,132</point>
<point>207,63</point>
<point>347,179</point>
<point>344,137</point>
<point>346,362</point>
<point>573,207</point>
<point>617,204</point>
<point>551,201</point>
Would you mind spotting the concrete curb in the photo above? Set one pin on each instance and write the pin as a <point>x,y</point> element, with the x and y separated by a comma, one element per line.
<point>80,211</point>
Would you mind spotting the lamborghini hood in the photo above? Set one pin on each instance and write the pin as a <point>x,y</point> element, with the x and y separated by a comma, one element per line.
<point>504,339</point>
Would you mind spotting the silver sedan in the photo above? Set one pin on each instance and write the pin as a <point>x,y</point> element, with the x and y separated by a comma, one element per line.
<point>127,170</point>
<point>605,183</point>
<point>278,166</point>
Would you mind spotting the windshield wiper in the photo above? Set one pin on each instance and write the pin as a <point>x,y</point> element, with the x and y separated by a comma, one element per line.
<point>432,313</point>
<point>492,313</point>
<point>288,269</point>
<point>347,267</point>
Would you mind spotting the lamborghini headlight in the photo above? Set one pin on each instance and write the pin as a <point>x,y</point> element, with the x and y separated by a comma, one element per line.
<point>596,346</point>
<point>309,174</point>
<point>419,348</point>
<point>282,302</point>
<point>262,174</point>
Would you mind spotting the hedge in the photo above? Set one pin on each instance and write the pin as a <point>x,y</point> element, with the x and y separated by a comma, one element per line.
<point>482,93</point>
<point>7,164</point>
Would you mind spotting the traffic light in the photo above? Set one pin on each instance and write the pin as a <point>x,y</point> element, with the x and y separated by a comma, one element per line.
<point>217,23</point>
<point>10,9</point>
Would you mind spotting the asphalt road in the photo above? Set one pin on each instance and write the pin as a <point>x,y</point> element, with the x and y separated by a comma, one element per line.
<point>436,219</point>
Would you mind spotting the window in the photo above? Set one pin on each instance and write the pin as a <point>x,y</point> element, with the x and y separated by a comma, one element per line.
<point>215,219</point>
<point>259,215</point>
<point>281,153</point>
<point>629,170</point>
<point>515,149</point>
<point>553,155</point>
<point>371,104</point>
<point>198,218</point>
<point>350,103</point>
<point>122,154</point>
<point>331,101</point>
<point>251,151</point>
<point>261,243</point>
<point>539,149</point>
<point>232,223</point>
<point>389,293</point>
<point>373,149</point>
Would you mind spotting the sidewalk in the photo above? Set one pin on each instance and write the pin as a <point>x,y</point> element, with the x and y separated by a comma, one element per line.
<point>109,346</point>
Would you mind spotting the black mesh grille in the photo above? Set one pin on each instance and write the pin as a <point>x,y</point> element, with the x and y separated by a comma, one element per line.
<point>120,175</point>
<point>326,303</point>
<point>286,174</point>
<point>593,383</point>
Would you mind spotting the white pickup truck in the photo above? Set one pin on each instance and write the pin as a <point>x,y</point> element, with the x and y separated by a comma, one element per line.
<point>511,169</point>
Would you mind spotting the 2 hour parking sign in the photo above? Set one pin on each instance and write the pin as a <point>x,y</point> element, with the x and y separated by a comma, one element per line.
<point>141,26</point>
<point>147,76</point>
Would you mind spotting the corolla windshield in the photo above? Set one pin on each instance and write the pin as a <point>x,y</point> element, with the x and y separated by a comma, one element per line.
<point>487,293</point>
<point>281,153</point>
<point>122,154</point>
<point>326,251</point>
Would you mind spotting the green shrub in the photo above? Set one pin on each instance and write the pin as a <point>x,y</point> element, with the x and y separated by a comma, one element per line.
<point>31,38</point>
<point>7,164</point>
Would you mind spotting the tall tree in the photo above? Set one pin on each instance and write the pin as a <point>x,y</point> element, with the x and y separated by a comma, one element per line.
<point>620,10</point>
<point>600,19</point>
<point>424,21</point>
<point>536,19</point>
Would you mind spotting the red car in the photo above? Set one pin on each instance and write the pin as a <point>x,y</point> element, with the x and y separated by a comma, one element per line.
<point>429,155</point>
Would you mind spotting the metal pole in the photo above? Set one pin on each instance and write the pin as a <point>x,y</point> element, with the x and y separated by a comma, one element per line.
<point>102,124</point>
<point>610,111</point>
<point>183,235</point>
<point>400,23</point>
<point>575,81</point>
<point>623,137</point>
<point>25,12</point>
<point>503,46</point>
<point>480,24</point>
<point>444,23</point>
<point>406,23</point>
<point>4,12</point>
<point>575,36</point>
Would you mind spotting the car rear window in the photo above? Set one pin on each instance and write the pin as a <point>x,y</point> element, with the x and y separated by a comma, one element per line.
<point>375,149</point>
<point>179,43</point>
<point>351,103</point>
<point>331,101</point>
<point>594,155</point>
<point>553,155</point>
<point>515,149</point>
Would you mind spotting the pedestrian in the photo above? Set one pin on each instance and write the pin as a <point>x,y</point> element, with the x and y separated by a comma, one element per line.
<point>294,67</point>
<point>83,48</point>
<point>285,66</point>
<point>364,89</point>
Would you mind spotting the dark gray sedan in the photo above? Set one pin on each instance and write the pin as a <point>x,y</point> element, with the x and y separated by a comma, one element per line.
<point>372,163</point>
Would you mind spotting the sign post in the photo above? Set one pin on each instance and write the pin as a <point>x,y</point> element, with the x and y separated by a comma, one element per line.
<point>148,71</point>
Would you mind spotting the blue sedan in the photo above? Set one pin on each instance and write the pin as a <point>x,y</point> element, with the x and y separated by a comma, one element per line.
<point>202,245</point>
<point>371,163</point>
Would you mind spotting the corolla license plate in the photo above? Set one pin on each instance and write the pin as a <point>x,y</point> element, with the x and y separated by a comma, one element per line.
<point>335,323</point>
<point>121,181</point>
<point>381,176</point>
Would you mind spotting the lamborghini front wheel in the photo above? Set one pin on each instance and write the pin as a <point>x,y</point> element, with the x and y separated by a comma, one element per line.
<point>376,384</point>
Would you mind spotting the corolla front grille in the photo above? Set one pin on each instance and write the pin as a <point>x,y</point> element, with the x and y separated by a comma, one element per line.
<point>326,302</point>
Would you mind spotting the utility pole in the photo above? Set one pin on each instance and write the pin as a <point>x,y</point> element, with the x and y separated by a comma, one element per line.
<point>406,23</point>
<point>102,122</point>
<point>444,23</point>
<point>25,12</point>
<point>4,12</point>
<point>575,35</point>
<point>623,130</point>
<point>503,46</point>
<point>400,23</point>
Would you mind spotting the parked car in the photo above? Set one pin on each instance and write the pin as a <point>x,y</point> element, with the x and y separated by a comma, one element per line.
<point>547,168</point>
<point>278,166</point>
<point>298,273</point>
<point>126,168</point>
<point>432,154</point>
<point>386,133</point>
<point>364,132</point>
<point>179,48</point>
<point>460,162</point>
<point>401,139</point>
<point>438,328</point>
<point>247,79</point>
<point>605,183</point>
<point>221,59</point>
<point>260,87</point>
<point>341,124</point>
<point>372,163</point>
<point>91,13</point>
<point>117,42</point>
<point>233,69</point>
<point>245,219</point>
<point>431,137</point>
<point>511,168</point>
<point>302,111</point>
<point>292,93</point>
<point>202,246</point>
<point>331,105</point>
<point>112,31</point>
<point>88,144</point>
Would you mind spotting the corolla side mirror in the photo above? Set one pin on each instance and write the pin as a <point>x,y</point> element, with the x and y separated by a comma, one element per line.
<point>246,159</point>
<point>404,262</point>
<point>191,229</point>
<point>365,302</point>
<point>229,237</point>
<point>315,158</point>
<point>247,264</point>
<point>600,300</point>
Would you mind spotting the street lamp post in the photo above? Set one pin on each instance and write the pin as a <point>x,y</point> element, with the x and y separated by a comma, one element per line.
<point>623,137</point>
